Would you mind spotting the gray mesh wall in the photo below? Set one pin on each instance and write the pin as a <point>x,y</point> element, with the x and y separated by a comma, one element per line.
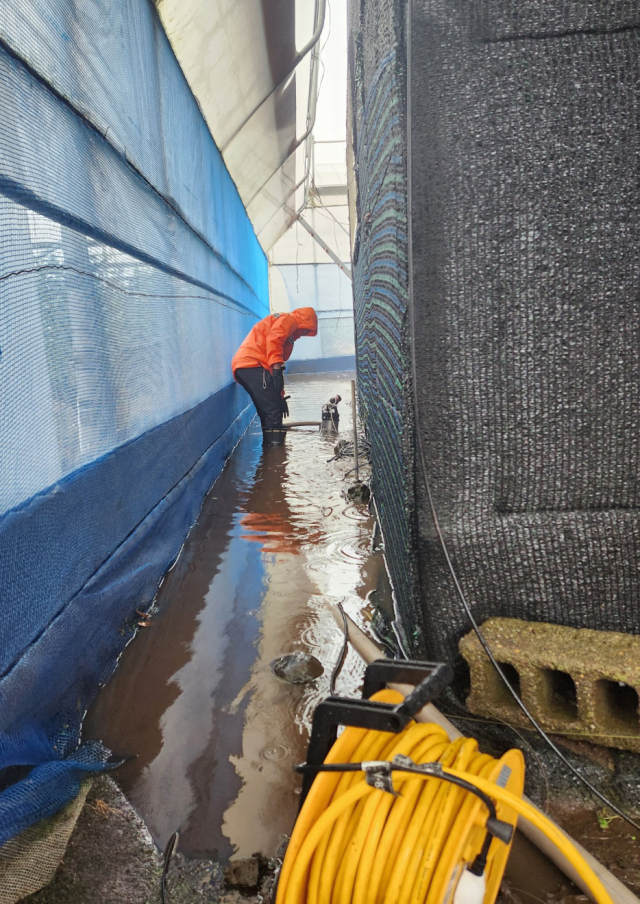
<point>526,217</point>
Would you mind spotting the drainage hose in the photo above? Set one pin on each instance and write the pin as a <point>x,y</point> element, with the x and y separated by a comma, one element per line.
<point>427,840</point>
<point>618,892</point>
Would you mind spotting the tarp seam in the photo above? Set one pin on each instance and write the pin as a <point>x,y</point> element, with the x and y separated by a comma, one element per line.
<point>114,551</point>
<point>119,288</point>
<point>24,196</point>
<point>103,136</point>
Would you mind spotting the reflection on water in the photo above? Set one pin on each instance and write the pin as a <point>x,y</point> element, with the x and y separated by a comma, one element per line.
<point>214,732</point>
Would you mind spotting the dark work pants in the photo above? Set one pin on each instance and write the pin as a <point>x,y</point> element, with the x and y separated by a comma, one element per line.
<point>259,384</point>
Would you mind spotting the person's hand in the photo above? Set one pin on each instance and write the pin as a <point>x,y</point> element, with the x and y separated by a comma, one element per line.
<point>278,377</point>
<point>285,407</point>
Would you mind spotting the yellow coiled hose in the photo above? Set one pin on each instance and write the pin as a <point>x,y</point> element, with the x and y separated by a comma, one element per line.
<point>355,844</point>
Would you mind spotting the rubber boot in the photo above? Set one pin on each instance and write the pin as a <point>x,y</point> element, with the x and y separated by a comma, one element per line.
<point>273,436</point>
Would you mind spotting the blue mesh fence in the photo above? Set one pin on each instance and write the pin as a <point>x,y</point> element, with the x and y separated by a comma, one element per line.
<point>380,280</point>
<point>129,273</point>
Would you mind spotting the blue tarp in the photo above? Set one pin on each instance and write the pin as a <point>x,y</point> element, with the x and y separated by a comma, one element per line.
<point>129,273</point>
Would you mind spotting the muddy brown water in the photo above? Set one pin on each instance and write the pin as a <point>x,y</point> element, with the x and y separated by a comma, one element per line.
<point>214,733</point>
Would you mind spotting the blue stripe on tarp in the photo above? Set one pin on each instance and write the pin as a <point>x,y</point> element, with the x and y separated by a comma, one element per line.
<point>51,546</point>
<point>130,273</point>
<point>322,365</point>
<point>45,693</point>
<point>78,649</point>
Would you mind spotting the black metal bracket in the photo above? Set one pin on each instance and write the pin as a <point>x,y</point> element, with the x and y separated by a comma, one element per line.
<point>428,678</point>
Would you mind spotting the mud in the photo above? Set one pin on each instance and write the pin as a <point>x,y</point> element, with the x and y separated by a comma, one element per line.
<point>609,838</point>
<point>112,858</point>
<point>530,877</point>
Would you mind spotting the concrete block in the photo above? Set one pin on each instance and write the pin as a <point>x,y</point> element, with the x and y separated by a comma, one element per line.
<point>577,682</point>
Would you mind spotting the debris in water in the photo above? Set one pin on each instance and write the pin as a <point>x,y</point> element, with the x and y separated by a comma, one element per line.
<point>243,873</point>
<point>345,448</point>
<point>339,447</point>
<point>297,668</point>
<point>359,492</point>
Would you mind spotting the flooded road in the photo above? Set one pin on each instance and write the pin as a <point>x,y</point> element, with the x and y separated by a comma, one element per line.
<point>214,732</point>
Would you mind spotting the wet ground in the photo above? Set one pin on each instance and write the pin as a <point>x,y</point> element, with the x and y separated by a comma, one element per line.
<point>214,733</point>
<point>531,878</point>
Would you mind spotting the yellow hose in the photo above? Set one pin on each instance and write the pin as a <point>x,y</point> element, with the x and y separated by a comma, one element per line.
<point>355,844</point>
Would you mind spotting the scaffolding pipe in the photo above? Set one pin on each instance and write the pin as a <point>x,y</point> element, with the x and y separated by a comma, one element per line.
<point>321,7</point>
<point>334,257</point>
<point>355,429</point>
<point>311,121</point>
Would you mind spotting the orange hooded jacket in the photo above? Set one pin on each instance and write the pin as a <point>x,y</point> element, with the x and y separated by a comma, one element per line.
<point>271,340</point>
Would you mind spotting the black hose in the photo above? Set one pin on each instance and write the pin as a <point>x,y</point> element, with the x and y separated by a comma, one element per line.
<point>169,851</point>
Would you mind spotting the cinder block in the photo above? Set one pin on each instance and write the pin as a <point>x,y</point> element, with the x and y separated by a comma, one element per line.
<point>577,682</point>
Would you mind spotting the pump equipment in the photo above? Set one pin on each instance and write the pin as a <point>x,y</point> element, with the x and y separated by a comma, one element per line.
<point>330,414</point>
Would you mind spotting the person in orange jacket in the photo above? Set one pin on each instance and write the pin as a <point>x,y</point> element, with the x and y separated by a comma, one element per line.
<point>259,365</point>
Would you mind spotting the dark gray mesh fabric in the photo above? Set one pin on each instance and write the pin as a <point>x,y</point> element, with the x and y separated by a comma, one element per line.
<point>380,278</point>
<point>526,216</point>
<point>512,19</point>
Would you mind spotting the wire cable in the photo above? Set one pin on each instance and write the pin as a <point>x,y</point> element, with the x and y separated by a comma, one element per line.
<point>343,652</point>
<point>169,851</point>
<point>445,551</point>
<point>320,207</point>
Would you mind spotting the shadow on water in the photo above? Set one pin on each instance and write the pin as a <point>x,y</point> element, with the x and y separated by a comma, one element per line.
<point>214,732</point>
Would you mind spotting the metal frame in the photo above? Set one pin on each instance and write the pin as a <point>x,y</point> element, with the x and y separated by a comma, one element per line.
<point>321,8</point>
<point>311,121</point>
<point>334,257</point>
<point>278,209</point>
<point>430,680</point>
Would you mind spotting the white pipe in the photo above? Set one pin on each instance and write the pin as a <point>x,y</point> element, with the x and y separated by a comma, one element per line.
<point>321,6</point>
<point>620,894</point>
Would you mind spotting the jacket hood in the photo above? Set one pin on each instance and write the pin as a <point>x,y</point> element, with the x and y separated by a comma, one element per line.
<point>307,319</point>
